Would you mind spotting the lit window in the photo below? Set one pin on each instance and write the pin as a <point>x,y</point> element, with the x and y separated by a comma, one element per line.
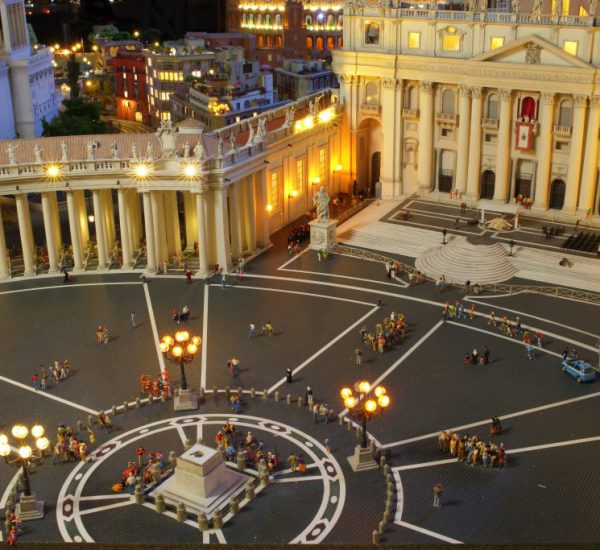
<point>451,43</point>
<point>274,190</point>
<point>570,46</point>
<point>125,93</point>
<point>496,42</point>
<point>414,40</point>
<point>322,163</point>
<point>300,175</point>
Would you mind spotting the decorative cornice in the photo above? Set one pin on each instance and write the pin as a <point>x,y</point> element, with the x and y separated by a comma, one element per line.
<point>426,87</point>
<point>595,102</point>
<point>476,92</point>
<point>389,83</point>
<point>464,91</point>
<point>504,94</point>
<point>547,98</point>
<point>580,101</point>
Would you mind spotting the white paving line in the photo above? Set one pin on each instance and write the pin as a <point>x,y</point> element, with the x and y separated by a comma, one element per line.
<point>502,417</point>
<point>293,258</point>
<point>325,347</point>
<point>428,532</point>
<point>400,282</point>
<point>112,496</point>
<point>408,353</point>
<point>68,285</point>
<point>303,294</point>
<point>554,445</point>
<point>49,395</point>
<point>524,314</point>
<point>106,507</point>
<point>220,536</point>
<point>296,479</point>
<point>204,338</point>
<point>182,434</point>
<point>534,293</point>
<point>161,359</point>
<point>424,464</point>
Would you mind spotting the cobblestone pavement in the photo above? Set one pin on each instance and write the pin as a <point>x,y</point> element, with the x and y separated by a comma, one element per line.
<point>317,309</point>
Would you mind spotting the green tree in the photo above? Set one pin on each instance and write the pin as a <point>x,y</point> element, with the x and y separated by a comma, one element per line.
<point>73,72</point>
<point>79,117</point>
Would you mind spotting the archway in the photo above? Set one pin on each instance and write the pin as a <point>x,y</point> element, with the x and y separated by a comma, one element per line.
<point>488,183</point>
<point>557,194</point>
<point>369,144</point>
<point>375,169</point>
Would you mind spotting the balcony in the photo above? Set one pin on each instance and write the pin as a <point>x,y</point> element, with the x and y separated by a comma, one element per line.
<point>489,123</point>
<point>410,113</point>
<point>562,131</point>
<point>370,109</point>
<point>446,119</point>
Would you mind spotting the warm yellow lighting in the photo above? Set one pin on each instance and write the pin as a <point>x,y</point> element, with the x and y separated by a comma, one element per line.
<point>53,171</point>
<point>95,48</point>
<point>338,167</point>
<point>317,180</point>
<point>20,431</point>
<point>326,115</point>
<point>3,439</point>
<point>364,386</point>
<point>350,402</point>
<point>299,125</point>
<point>294,193</point>
<point>379,390</point>
<point>163,347</point>
<point>196,340</point>
<point>345,393</point>
<point>42,443</point>
<point>136,34</point>
<point>309,122</point>
<point>91,218</point>
<point>570,46</point>
<point>182,336</point>
<point>37,431</point>
<point>190,170</point>
<point>56,46</point>
<point>383,401</point>
<point>371,405</point>
<point>88,83</point>
<point>168,340</point>
<point>269,207</point>
<point>192,349</point>
<point>496,42</point>
<point>4,450</point>
<point>141,171</point>
<point>25,451</point>
<point>177,351</point>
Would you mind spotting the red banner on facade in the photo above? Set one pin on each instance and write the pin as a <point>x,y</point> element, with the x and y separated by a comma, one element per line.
<point>524,138</point>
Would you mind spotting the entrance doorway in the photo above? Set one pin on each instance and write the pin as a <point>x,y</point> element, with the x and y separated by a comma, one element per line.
<point>523,187</point>
<point>375,169</point>
<point>488,183</point>
<point>557,194</point>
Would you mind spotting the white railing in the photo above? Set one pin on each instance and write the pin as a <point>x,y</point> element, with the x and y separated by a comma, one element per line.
<point>562,130</point>
<point>410,113</point>
<point>446,118</point>
<point>489,123</point>
<point>370,108</point>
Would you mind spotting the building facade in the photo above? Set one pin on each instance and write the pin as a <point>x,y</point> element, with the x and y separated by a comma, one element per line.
<point>493,105</point>
<point>298,78</point>
<point>131,94</point>
<point>33,96</point>
<point>235,187</point>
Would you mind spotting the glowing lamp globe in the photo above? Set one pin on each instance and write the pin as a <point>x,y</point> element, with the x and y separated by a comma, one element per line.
<point>37,430</point>
<point>53,171</point>
<point>192,349</point>
<point>350,402</point>
<point>25,451</point>
<point>383,401</point>
<point>177,351</point>
<point>4,449</point>
<point>42,443</point>
<point>3,439</point>
<point>168,340</point>
<point>20,431</point>
<point>190,171</point>
<point>196,340</point>
<point>364,386</point>
<point>371,405</point>
<point>163,347</point>
<point>379,390</point>
<point>141,170</point>
<point>345,393</point>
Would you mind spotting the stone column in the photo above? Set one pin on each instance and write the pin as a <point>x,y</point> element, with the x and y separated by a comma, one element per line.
<point>503,155</point>
<point>425,157</point>
<point>250,214</point>
<point>222,229</point>
<point>191,221</point>
<point>234,218</point>
<point>24,220</point>
<point>589,173</point>
<point>109,212</point>
<point>202,236</point>
<point>474,165</point>
<point>437,167</point>
<point>50,230</point>
<point>124,227</point>
<point>391,165</point>
<point>158,223</point>
<point>136,219</point>
<point>172,220</point>
<point>99,222</point>
<point>151,262</point>
<point>4,263</point>
<point>75,229</point>
<point>575,152</point>
<point>544,151</point>
<point>462,153</point>
<point>263,229</point>
<point>56,219</point>
<point>82,216</point>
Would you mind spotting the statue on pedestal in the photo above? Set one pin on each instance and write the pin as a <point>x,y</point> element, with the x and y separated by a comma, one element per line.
<point>91,147</point>
<point>592,7</point>
<point>186,150</point>
<point>37,153</point>
<point>321,203</point>
<point>250,134</point>
<point>63,152</point>
<point>199,150</point>
<point>134,151</point>
<point>114,150</point>
<point>149,152</point>
<point>10,152</point>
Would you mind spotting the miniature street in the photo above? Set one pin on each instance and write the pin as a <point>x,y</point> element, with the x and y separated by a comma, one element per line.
<point>317,309</point>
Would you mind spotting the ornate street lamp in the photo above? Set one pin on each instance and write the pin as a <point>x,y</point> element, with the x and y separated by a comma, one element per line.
<point>180,349</point>
<point>364,403</point>
<point>23,455</point>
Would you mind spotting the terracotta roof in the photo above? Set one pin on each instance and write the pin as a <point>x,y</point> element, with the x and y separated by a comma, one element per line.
<point>190,123</point>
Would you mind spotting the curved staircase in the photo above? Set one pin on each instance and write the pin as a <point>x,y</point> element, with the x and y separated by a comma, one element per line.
<point>459,261</point>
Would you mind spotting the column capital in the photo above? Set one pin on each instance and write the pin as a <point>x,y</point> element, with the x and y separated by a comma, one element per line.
<point>464,91</point>
<point>426,87</point>
<point>595,102</point>
<point>547,98</point>
<point>389,83</point>
<point>580,101</point>
<point>476,92</point>
<point>200,189</point>
<point>504,94</point>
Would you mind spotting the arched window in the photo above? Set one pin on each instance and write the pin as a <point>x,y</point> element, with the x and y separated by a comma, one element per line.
<point>371,93</point>
<point>492,107</point>
<point>268,19</point>
<point>278,42</point>
<point>250,18</point>
<point>309,43</point>
<point>330,43</point>
<point>448,102</point>
<point>246,104</point>
<point>528,108</point>
<point>260,41</point>
<point>565,113</point>
<point>243,19</point>
<point>340,20</point>
<point>330,21</point>
<point>269,41</point>
<point>340,41</point>
<point>278,20</point>
<point>308,20</point>
<point>259,18</point>
<point>411,98</point>
<point>319,44</point>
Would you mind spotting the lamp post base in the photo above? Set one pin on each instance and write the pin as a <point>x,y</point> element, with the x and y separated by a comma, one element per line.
<point>28,508</point>
<point>185,400</point>
<point>362,459</point>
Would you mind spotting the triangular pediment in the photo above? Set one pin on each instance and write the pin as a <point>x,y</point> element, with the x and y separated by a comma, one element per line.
<point>532,50</point>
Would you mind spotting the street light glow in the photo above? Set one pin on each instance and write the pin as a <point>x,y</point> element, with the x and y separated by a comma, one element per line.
<point>383,401</point>
<point>53,170</point>
<point>37,431</point>
<point>177,351</point>
<point>25,451</point>
<point>190,170</point>
<point>371,405</point>
<point>42,443</point>
<point>4,450</point>
<point>141,171</point>
<point>345,393</point>
<point>350,402</point>
<point>20,431</point>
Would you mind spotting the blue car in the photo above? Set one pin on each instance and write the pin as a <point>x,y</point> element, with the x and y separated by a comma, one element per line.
<point>579,369</point>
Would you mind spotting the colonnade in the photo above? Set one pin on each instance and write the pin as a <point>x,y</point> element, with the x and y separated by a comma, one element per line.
<point>223,222</point>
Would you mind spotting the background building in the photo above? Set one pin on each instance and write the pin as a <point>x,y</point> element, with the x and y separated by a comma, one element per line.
<point>29,73</point>
<point>131,93</point>
<point>299,78</point>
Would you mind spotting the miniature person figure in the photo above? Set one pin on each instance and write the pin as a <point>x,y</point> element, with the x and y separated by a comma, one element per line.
<point>63,152</point>
<point>592,8</point>
<point>220,147</point>
<point>537,8</point>
<point>557,9</point>
<point>37,152</point>
<point>516,6</point>
<point>232,142</point>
